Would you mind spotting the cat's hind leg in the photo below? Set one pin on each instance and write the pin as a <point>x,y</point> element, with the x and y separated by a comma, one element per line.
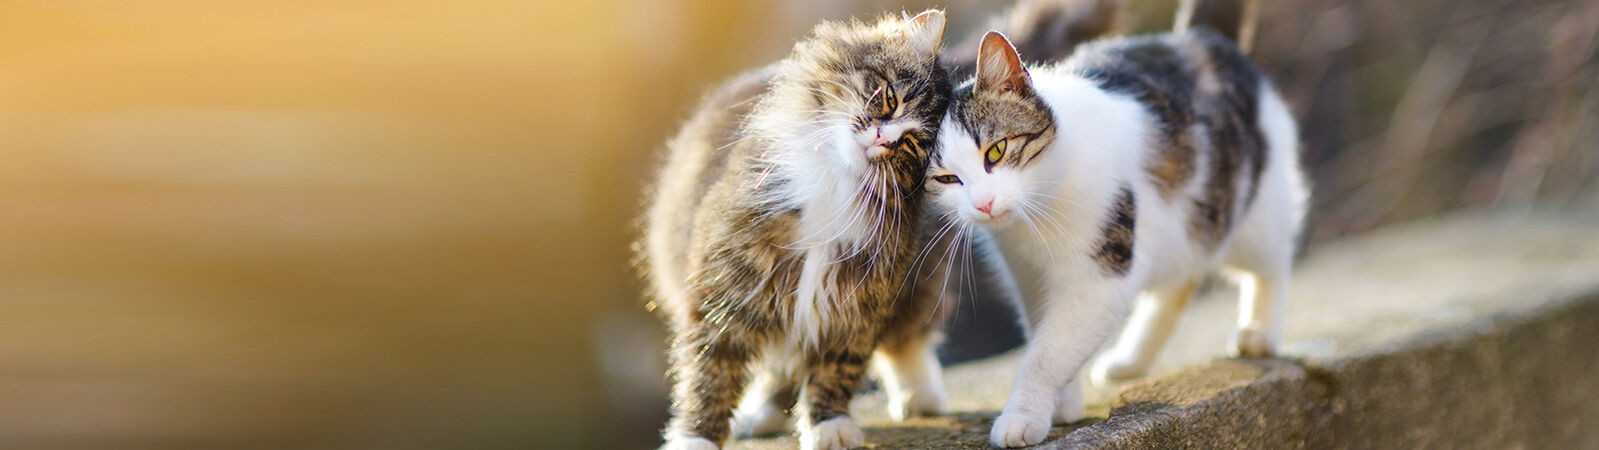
<point>1260,312</point>
<point>766,405</point>
<point>1150,325</point>
<point>1260,261</point>
<point>912,377</point>
<point>1069,405</point>
<point>1262,250</point>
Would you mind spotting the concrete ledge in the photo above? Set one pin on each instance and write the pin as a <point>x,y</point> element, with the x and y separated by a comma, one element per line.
<point>1466,332</point>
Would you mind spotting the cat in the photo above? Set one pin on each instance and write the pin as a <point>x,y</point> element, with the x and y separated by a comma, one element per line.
<point>1047,30</point>
<point>785,240</point>
<point>1127,171</point>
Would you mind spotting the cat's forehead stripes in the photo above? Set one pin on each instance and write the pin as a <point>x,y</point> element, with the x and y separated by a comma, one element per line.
<point>988,116</point>
<point>1027,145</point>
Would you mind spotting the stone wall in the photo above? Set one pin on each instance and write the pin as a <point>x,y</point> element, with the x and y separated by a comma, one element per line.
<point>1473,331</point>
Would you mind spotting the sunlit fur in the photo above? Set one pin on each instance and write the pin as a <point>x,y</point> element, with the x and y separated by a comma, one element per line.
<point>1109,167</point>
<point>781,235</point>
<point>831,159</point>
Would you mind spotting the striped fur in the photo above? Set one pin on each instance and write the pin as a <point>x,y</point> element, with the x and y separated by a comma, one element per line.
<point>784,226</point>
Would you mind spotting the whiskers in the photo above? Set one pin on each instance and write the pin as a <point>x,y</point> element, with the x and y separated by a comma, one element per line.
<point>955,237</point>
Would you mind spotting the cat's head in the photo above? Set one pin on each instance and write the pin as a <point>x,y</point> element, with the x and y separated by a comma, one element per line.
<point>859,103</point>
<point>983,168</point>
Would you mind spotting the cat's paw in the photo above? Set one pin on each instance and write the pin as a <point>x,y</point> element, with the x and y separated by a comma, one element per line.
<point>766,419</point>
<point>832,434</point>
<point>1254,341</point>
<point>1113,368</point>
<point>917,402</point>
<point>1013,430</point>
<point>689,443</point>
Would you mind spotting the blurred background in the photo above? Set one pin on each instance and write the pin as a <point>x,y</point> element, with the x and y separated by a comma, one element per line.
<point>405,224</point>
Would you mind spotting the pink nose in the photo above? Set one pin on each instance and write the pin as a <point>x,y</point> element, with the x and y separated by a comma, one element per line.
<point>985,206</point>
<point>881,141</point>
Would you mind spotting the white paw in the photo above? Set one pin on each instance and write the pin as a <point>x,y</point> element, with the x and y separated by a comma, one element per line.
<point>1254,341</point>
<point>919,402</point>
<point>763,420</point>
<point>1015,430</point>
<point>689,443</point>
<point>1112,368</point>
<point>836,433</point>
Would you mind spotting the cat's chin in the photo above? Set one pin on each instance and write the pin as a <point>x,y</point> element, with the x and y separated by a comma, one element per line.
<point>1000,222</point>
<point>876,153</point>
<point>853,161</point>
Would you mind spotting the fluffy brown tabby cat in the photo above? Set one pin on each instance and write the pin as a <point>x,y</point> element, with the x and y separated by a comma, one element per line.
<point>787,242</point>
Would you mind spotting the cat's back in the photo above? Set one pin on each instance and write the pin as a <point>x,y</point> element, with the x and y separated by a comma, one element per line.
<point>1203,95</point>
<point>1139,65</point>
<point>696,158</point>
<point>1172,74</point>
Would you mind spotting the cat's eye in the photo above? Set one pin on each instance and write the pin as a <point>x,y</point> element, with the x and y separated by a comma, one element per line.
<point>890,101</point>
<point>995,152</point>
<point>909,144</point>
<point>947,179</point>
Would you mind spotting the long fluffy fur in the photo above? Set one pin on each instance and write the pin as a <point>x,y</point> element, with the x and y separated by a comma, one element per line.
<point>778,240</point>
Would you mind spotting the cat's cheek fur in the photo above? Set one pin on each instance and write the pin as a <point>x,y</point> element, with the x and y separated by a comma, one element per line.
<point>953,200</point>
<point>1010,195</point>
<point>846,148</point>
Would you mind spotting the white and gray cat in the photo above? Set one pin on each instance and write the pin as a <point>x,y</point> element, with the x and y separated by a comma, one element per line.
<point>1126,172</point>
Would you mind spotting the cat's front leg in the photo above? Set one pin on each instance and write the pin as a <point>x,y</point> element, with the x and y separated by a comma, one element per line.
<point>834,378</point>
<point>1072,327</point>
<point>709,370</point>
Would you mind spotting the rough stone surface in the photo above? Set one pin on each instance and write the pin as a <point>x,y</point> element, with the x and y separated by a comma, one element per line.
<point>1466,332</point>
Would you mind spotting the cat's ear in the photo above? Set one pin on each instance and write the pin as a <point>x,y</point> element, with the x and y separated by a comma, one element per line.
<point>925,32</point>
<point>999,67</point>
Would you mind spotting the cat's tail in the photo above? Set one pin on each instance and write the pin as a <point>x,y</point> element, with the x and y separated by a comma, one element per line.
<point>1232,18</point>
<point>1043,31</point>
